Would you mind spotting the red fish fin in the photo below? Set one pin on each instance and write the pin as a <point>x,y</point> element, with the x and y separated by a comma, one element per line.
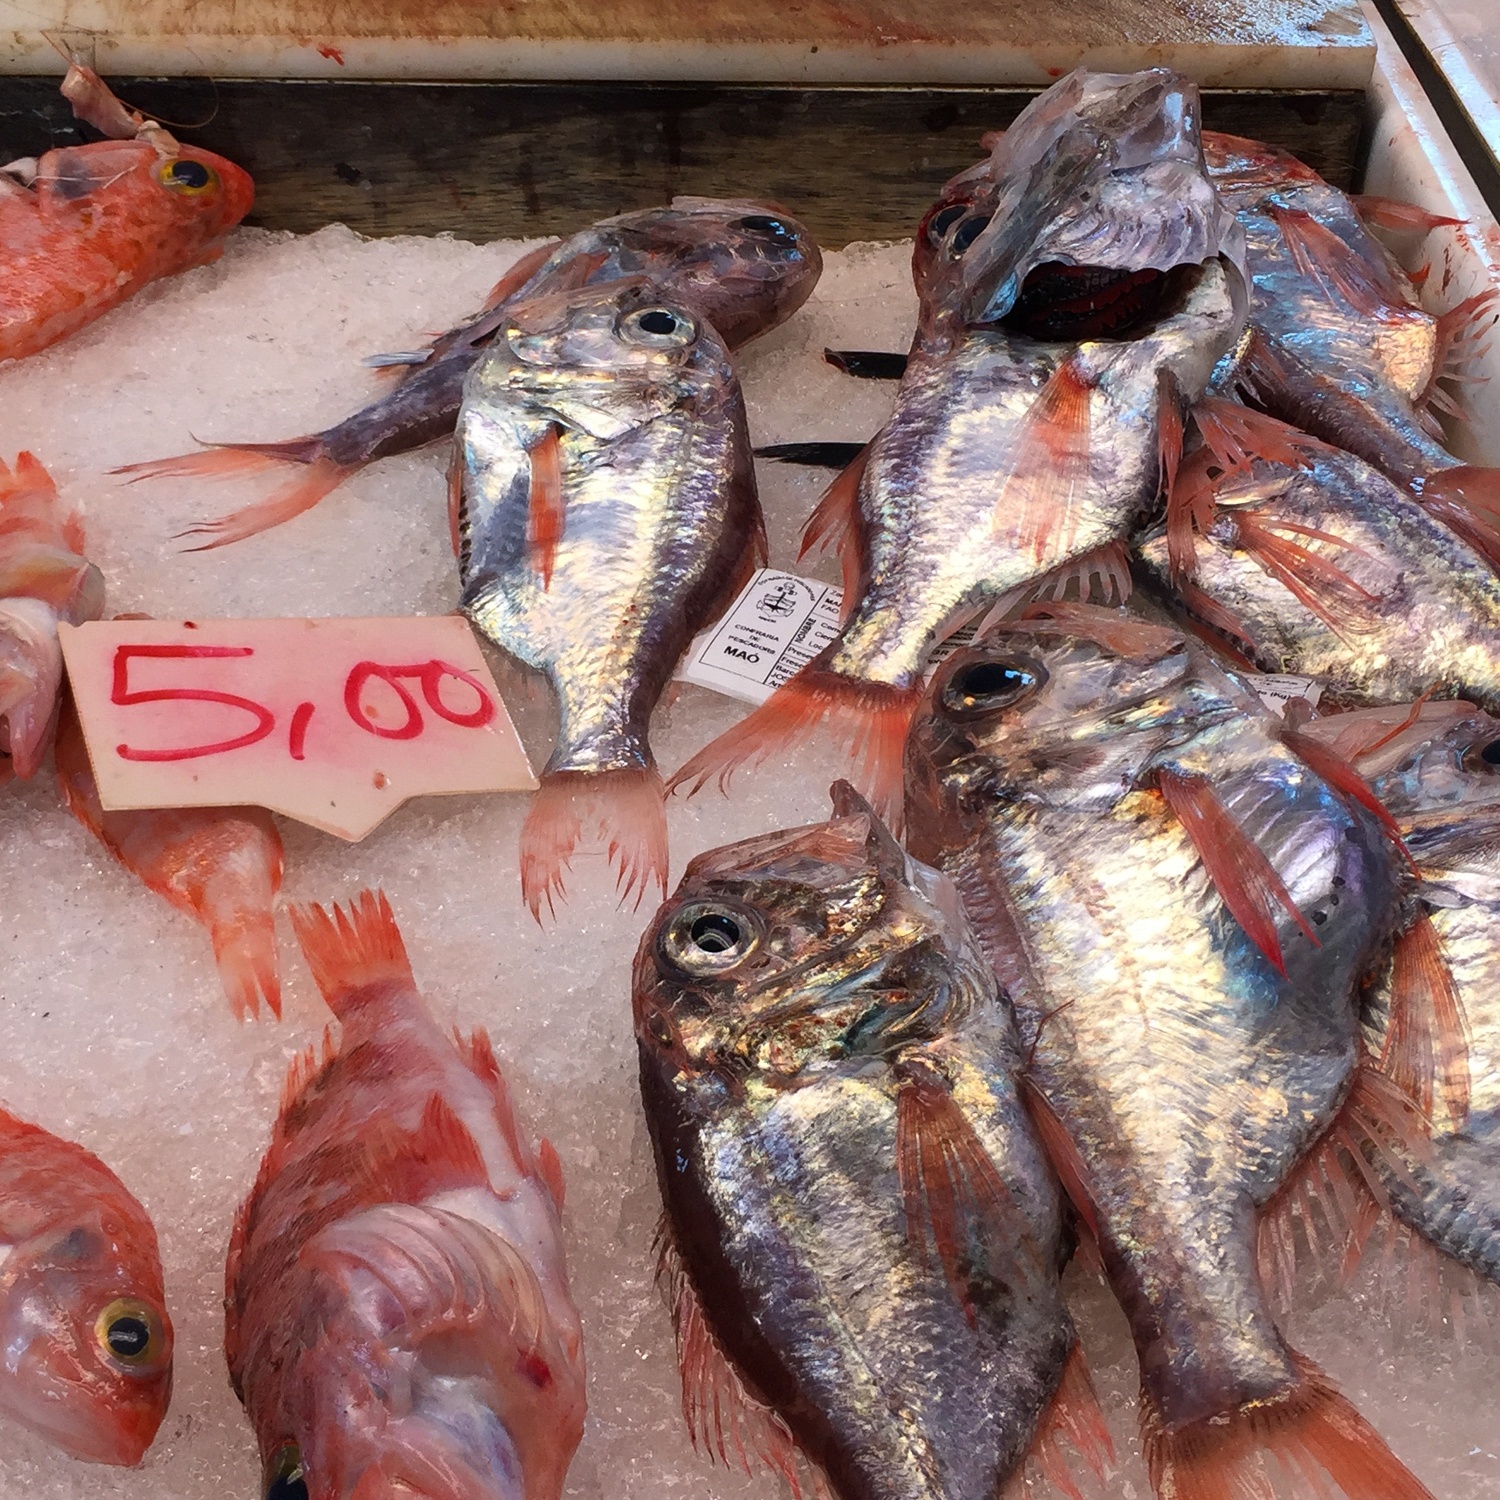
<point>1320,254</point>
<point>478,1053</point>
<point>392,1165</point>
<point>304,492</point>
<point>1190,512</point>
<point>519,274</point>
<point>1206,609</point>
<point>1100,577</point>
<point>1339,772</point>
<point>1072,1421</point>
<point>1062,1153</point>
<point>1467,501</point>
<point>1426,1044</point>
<point>1048,469</point>
<point>1245,879</point>
<point>1391,213</point>
<point>1312,1431</point>
<point>723,1419</point>
<point>952,1190</point>
<point>871,718</point>
<point>1115,629</point>
<point>545,518</point>
<point>550,1170</point>
<point>245,951</point>
<point>835,523</point>
<point>1322,587</point>
<point>455,478</point>
<point>1462,337</point>
<point>624,807</point>
<point>1238,435</point>
<point>349,950</point>
<point>226,458</point>
<point>28,477</point>
<point>304,1067</point>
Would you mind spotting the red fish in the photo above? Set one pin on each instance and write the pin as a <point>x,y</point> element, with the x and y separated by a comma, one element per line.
<point>90,225</point>
<point>397,1310</point>
<point>86,1340</point>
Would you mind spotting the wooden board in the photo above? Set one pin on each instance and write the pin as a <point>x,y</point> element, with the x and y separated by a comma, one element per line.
<point>1225,43</point>
<point>488,161</point>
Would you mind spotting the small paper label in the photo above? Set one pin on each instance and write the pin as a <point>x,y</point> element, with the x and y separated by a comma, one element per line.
<point>1277,689</point>
<point>332,722</point>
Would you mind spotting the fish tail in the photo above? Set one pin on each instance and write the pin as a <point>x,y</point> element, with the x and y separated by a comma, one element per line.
<point>225,458</point>
<point>1466,499</point>
<point>26,477</point>
<point>871,718</point>
<point>1312,1431</point>
<point>1074,1420</point>
<point>304,492</point>
<point>626,808</point>
<point>348,951</point>
<point>248,967</point>
<point>1426,1051</point>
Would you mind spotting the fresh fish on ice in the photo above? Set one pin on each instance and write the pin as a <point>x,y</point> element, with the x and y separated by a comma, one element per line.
<point>85,227</point>
<point>742,266</point>
<point>397,1316</point>
<point>608,513</point>
<point>1181,910</point>
<point>44,579</point>
<point>86,1340</point>
<point>861,1239</point>
<point>1035,437</point>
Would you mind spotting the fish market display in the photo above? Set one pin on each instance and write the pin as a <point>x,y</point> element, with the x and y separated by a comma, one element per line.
<point>608,512</point>
<point>741,266</point>
<point>1436,1010</point>
<point>1323,567</point>
<point>1181,911</point>
<point>84,227</point>
<point>1027,431</point>
<point>87,1341</point>
<point>44,579</point>
<point>220,865</point>
<point>861,1238</point>
<point>397,1310</point>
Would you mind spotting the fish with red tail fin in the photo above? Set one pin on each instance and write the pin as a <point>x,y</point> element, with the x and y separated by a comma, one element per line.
<point>83,1320</point>
<point>1026,428</point>
<point>861,1239</point>
<point>1182,912</point>
<point>91,225</point>
<point>397,1314</point>
<point>220,865</point>
<point>608,513</point>
<point>741,265</point>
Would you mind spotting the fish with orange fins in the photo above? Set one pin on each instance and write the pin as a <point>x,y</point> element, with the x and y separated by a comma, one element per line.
<point>608,512</point>
<point>85,227</point>
<point>397,1315</point>
<point>83,1320</point>
<point>44,579</point>
<point>1028,433</point>
<point>220,865</point>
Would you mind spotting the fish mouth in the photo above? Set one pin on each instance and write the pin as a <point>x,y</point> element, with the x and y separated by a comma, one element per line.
<point>1059,301</point>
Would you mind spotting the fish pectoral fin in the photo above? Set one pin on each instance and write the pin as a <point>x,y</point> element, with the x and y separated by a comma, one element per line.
<point>1466,500</point>
<point>1426,1051</point>
<point>1339,772</point>
<point>723,1418</point>
<point>1245,879</point>
<point>835,523</point>
<point>519,274</point>
<point>1392,213</point>
<point>1239,436</point>
<point>955,1197</point>
<point>1062,1153</point>
<point>1320,585</point>
<point>1340,270</point>
<point>1073,1420</point>
<point>545,517</point>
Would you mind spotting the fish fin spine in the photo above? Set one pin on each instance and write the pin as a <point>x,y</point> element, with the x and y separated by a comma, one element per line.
<point>1072,1420</point>
<point>304,1067</point>
<point>478,1053</point>
<point>1393,213</point>
<point>26,477</point>
<point>626,808</point>
<point>871,718</point>
<point>1101,577</point>
<point>836,523</point>
<point>1312,1431</point>
<point>1337,268</point>
<point>323,475</point>
<point>349,950</point>
<point>1426,1050</point>
<point>1462,336</point>
<point>545,513</point>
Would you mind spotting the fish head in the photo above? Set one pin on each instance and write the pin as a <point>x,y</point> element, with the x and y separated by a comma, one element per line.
<point>86,1337</point>
<point>1066,708</point>
<point>1088,218</point>
<point>784,955</point>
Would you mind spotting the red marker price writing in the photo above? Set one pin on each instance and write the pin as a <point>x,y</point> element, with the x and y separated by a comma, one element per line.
<point>333,722</point>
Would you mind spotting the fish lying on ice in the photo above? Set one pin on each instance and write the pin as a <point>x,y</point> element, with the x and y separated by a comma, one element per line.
<point>861,1237</point>
<point>742,266</point>
<point>85,227</point>
<point>1181,911</point>
<point>608,512</point>
<point>87,1342</point>
<point>397,1313</point>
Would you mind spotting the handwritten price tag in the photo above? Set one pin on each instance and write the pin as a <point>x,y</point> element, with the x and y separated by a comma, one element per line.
<point>332,722</point>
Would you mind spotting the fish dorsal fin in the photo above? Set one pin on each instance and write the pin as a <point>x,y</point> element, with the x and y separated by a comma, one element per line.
<point>519,274</point>
<point>1322,587</point>
<point>1340,271</point>
<point>1048,469</point>
<point>393,1165</point>
<point>1426,1050</point>
<point>1245,879</point>
<point>545,515</point>
<point>350,950</point>
<point>1072,1425</point>
<point>306,1066</point>
<point>835,523</point>
<point>723,1419</point>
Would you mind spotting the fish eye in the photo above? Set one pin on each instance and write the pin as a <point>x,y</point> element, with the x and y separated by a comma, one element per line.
<point>709,937</point>
<point>285,1479</point>
<point>969,231</point>
<point>187,177</point>
<point>1485,758</point>
<point>658,328</point>
<point>130,1332</point>
<point>944,220</point>
<point>764,224</point>
<point>985,687</point>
